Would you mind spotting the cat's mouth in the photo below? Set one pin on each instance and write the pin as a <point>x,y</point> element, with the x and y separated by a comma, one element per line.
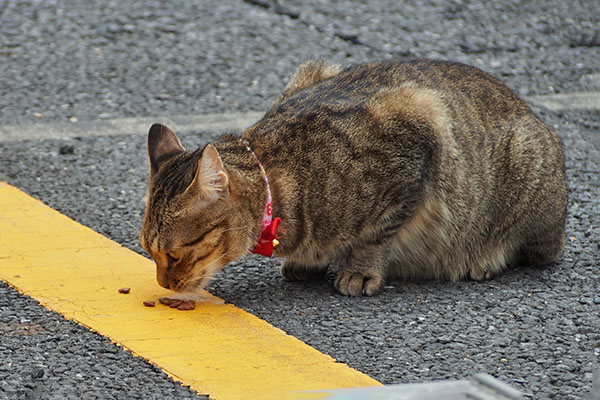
<point>198,282</point>
<point>193,285</point>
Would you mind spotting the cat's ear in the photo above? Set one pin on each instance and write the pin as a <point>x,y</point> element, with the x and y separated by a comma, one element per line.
<point>210,180</point>
<point>163,144</point>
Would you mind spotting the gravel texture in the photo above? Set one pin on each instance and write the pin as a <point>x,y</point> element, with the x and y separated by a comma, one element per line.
<point>43,356</point>
<point>101,59</point>
<point>536,329</point>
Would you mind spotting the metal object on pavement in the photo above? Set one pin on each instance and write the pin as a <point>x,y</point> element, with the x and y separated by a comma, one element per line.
<point>479,387</point>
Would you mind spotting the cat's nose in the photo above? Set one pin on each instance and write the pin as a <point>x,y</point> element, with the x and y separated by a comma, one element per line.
<point>164,284</point>
<point>162,278</point>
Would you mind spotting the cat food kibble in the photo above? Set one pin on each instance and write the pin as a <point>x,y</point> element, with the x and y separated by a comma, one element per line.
<point>124,290</point>
<point>179,304</point>
<point>149,303</point>
<point>187,305</point>
<point>166,301</point>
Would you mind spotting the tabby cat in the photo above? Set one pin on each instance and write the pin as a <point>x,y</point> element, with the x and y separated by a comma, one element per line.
<point>421,169</point>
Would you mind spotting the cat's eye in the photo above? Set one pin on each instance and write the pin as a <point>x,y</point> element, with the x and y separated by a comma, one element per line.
<point>173,256</point>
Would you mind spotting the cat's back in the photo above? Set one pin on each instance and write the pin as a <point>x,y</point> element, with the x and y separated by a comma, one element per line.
<point>461,86</point>
<point>467,108</point>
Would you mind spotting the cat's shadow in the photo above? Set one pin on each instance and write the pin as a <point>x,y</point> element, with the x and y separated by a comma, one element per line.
<point>256,285</point>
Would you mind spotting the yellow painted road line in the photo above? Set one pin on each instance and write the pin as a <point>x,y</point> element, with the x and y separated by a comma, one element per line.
<point>216,349</point>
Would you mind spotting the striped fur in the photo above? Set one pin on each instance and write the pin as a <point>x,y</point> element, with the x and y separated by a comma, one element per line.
<point>423,169</point>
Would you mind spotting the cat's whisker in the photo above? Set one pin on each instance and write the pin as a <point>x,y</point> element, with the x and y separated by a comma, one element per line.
<point>130,224</point>
<point>219,258</point>
<point>196,285</point>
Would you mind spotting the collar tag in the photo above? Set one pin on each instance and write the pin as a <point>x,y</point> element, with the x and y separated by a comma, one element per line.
<point>268,239</point>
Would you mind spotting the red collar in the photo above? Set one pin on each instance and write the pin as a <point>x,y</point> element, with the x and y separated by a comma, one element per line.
<point>268,236</point>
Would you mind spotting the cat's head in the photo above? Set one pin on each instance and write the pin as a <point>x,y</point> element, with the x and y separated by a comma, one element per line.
<point>188,226</point>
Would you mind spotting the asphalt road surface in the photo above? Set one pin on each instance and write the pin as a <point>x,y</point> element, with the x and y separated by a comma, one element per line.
<point>72,62</point>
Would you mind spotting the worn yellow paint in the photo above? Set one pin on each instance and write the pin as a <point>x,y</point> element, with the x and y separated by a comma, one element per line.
<point>216,349</point>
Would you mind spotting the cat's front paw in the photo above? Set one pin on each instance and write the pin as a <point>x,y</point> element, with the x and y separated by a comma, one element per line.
<point>352,283</point>
<point>292,271</point>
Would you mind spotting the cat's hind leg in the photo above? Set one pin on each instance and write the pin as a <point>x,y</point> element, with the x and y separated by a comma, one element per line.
<point>493,261</point>
<point>544,251</point>
<point>296,271</point>
<point>480,274</point>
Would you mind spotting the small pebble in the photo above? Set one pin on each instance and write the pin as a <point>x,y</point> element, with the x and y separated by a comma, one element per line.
<point>124,290</point>
<point>37,373</point>
<point>66,149</point>
<point>149,303</point>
